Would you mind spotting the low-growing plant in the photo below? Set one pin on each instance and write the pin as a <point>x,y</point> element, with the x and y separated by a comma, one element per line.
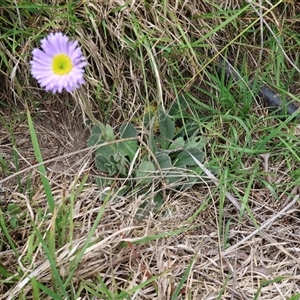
<point>160,151</point>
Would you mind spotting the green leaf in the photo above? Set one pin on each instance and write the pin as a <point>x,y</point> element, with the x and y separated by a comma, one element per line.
<point>4,273</point>
<point>149,121</point>
<point>152,143</point>
<point>159,202</point>
<point>195,142</point>
<point>266,282</point>
<point>145,170</point>
<point>177,143</point>
<point>13,209</point>
<point>184,278</point>
<point>127,130</point>
<point>171,175</point>
<point>295,297</point>
<point>109,133</point>
<point>166,127</point>
<point>103,163</point>
<point>41,167</point>
<point>120,163</point>
<point>185,159</point>
<point>106,150</point>
<point>178,107</point>
<point>164,160</point>
<point>128,148</point>
<point>14,222</point>
<point>96,137</point>
<point>112,164</point>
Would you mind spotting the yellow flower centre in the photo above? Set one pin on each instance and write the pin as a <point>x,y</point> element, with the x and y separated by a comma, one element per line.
<point>62,64</point>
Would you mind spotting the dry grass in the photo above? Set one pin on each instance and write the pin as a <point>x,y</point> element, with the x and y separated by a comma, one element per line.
<point>199,244</point>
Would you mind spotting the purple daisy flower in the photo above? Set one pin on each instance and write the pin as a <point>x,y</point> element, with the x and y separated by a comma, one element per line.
<point>59,64</point>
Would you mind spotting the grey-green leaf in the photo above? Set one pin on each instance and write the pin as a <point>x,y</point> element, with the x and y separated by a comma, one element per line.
<point>184,158</point>
<point>195,142</point>
<point>120,163</point>
<point>128,148</point>
<point>102,162</point>
<point>14,209</point>
<point>144,172</point>
<point>106,150</point>
<point>166,128</point>
<point>127,130</point>
<point>164,160</point>
<point>109,133</point>
<point>171,174</point>
<point>96,137</point>
<point>177,143</point>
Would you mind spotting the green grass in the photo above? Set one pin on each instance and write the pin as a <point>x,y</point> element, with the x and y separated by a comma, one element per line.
<point>65,236</point>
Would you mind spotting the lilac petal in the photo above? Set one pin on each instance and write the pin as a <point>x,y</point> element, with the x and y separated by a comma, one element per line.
<point>41,63</point>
